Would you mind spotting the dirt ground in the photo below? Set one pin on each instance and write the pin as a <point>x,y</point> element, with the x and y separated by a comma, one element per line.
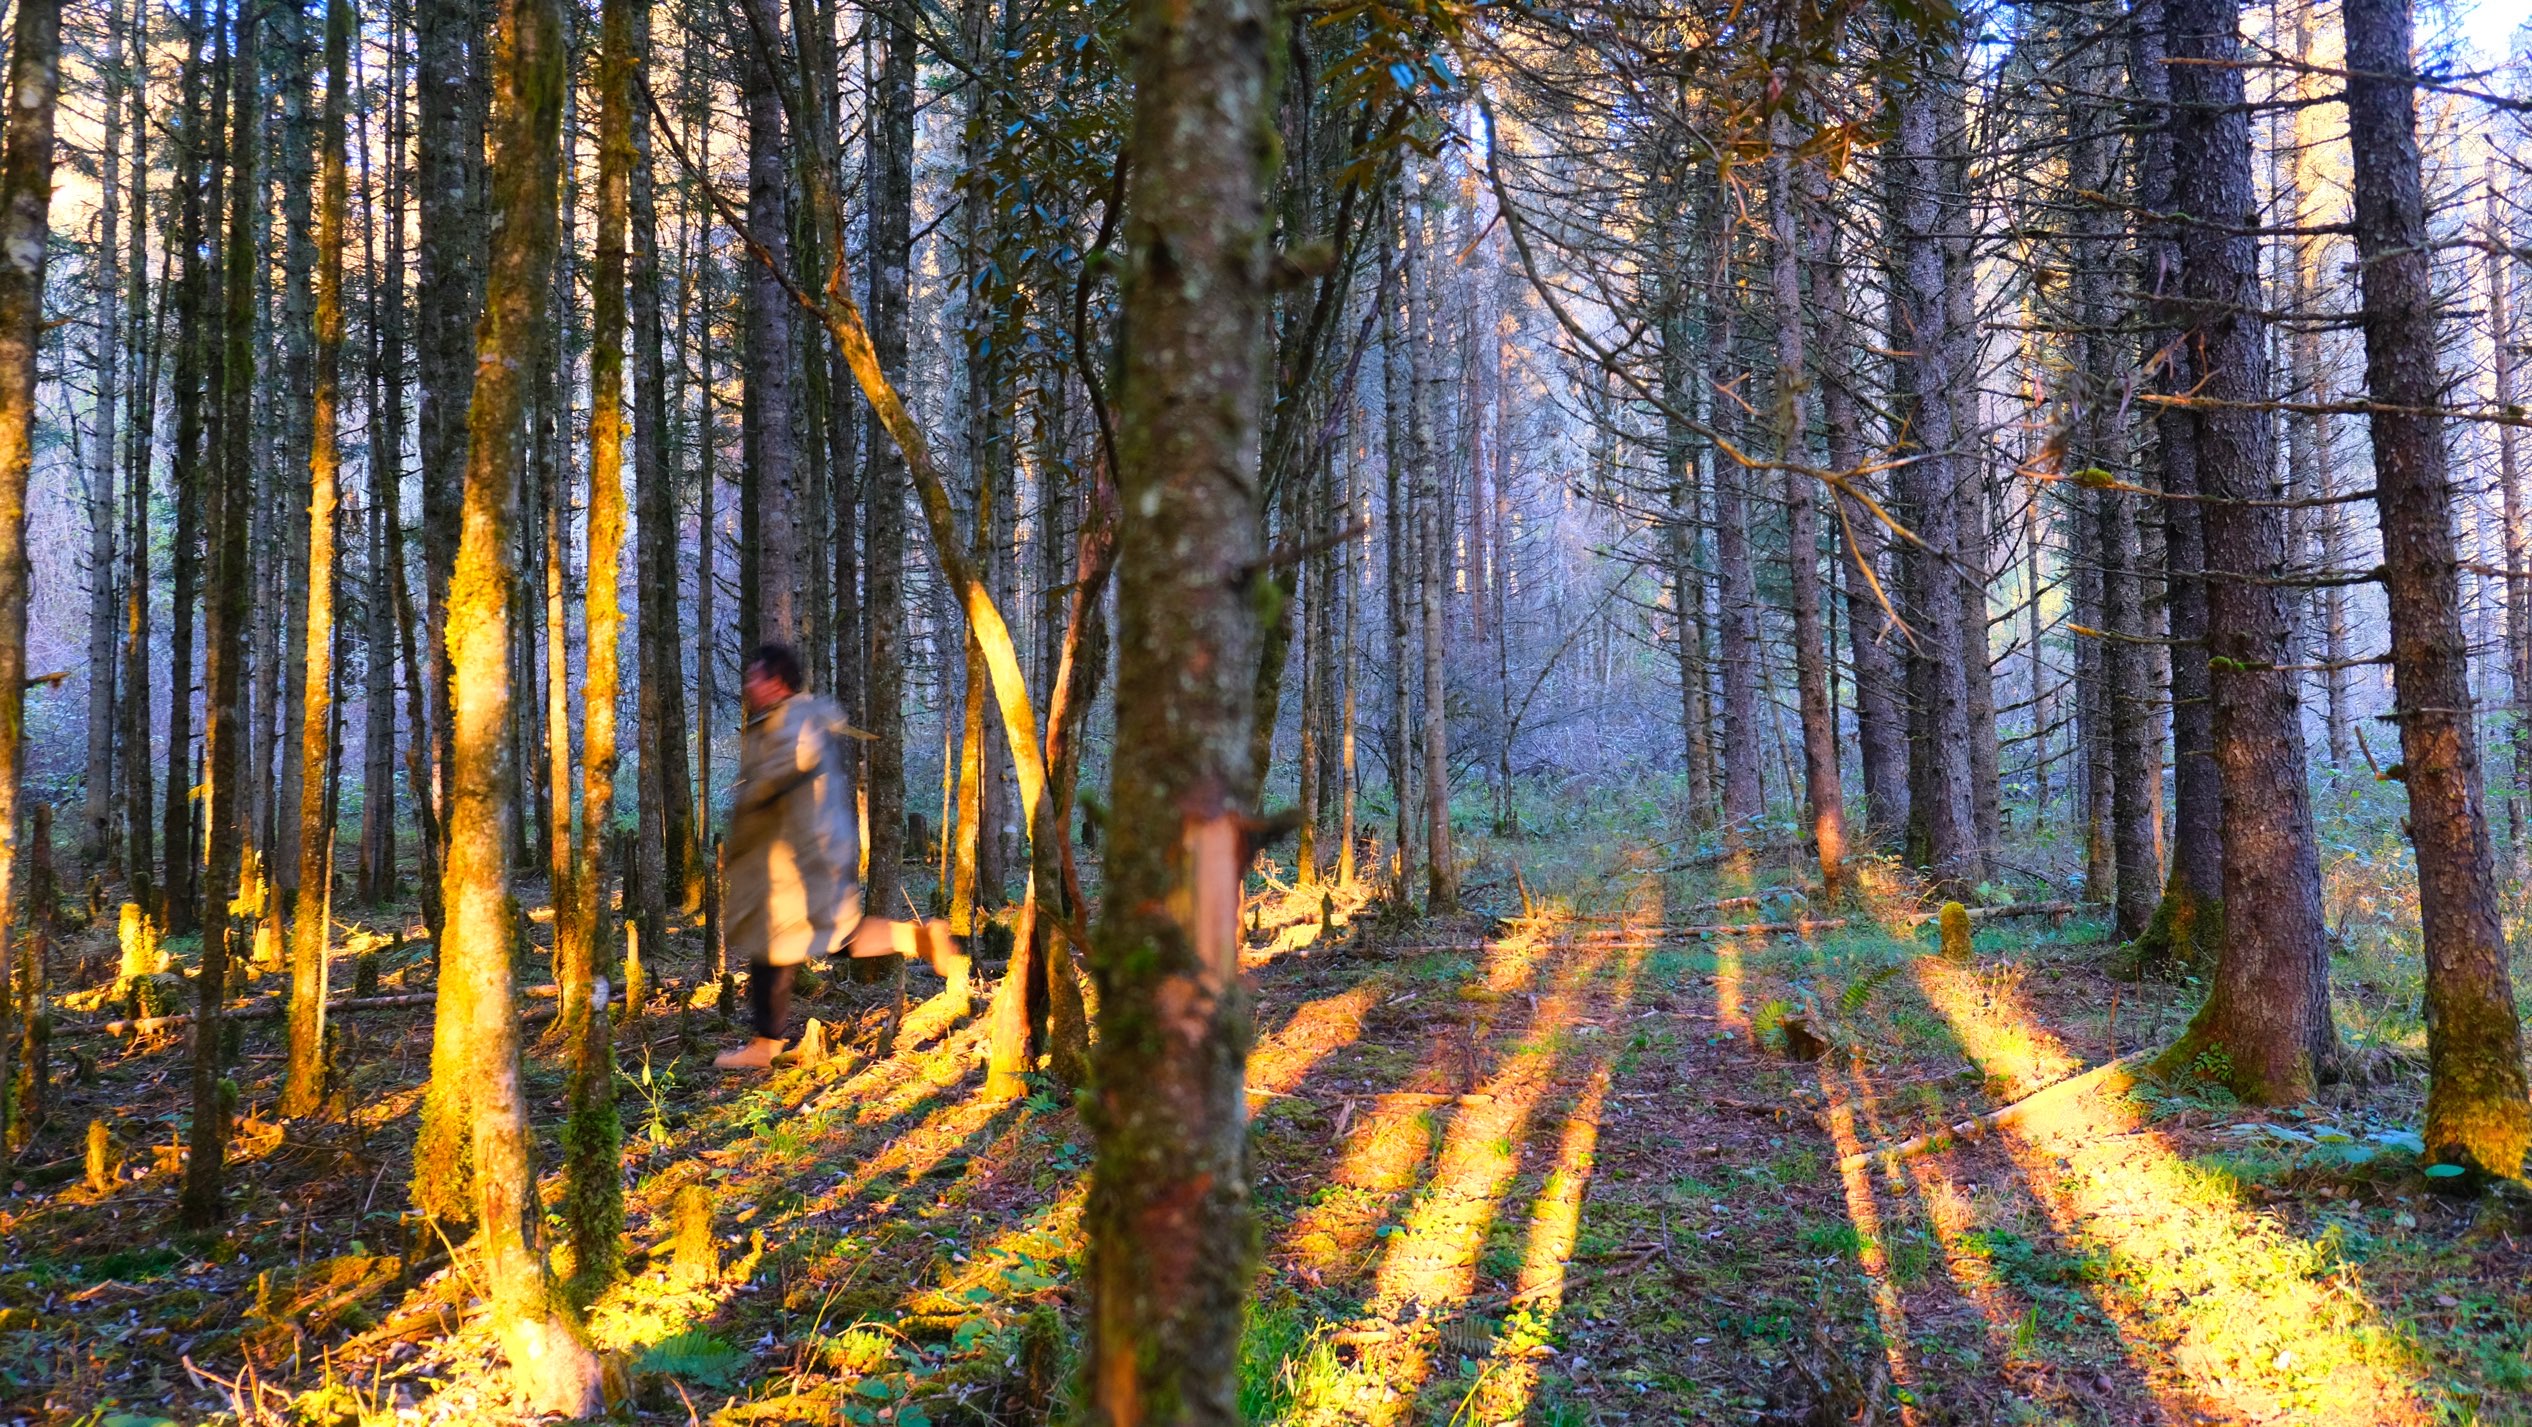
<point>1575,1157</point>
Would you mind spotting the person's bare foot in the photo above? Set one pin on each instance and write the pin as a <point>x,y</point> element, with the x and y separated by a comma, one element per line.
<point>757,1054</point>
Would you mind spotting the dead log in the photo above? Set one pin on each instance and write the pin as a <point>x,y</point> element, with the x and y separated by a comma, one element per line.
<point>1979,1125</point>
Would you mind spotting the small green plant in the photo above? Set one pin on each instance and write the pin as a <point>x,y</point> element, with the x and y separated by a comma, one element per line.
<point>2212,1066</point>
<point>697,1356</point>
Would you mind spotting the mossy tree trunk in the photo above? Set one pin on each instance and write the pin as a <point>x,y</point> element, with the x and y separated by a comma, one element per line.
<point>303,1078</point>
<point>552,1368</point>
<point>1172,1244</point>
<point>2477,1113</point>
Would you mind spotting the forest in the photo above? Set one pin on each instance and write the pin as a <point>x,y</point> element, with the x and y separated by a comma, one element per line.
<point>1794,712</point>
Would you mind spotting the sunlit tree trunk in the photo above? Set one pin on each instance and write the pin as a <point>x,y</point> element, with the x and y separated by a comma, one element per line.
<point>448,210</point>
<point>2477,1112</point>
<point>303,1081</point>
<point>1171,1246</point>
<point>2267,1007</point>
<point>552,1369</point>
<point>288,453</point>
<point>26,192</point>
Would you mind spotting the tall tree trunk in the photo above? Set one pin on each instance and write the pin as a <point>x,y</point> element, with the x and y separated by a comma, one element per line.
<point>1687,581</point>
<point>2268,1006</point>
<point>2098,458</point>
<point>1880,725</point>
<point>2477,1112</point>
<point>293,430</point>
<point>2500,262</point>
<point>26,192</point>
<point>1822,796</point>
<point>551,1367</point>
<point>1943,801</point>
<point>303,1079</point>
<point>386,512</point>
<point>180,895</point>
<point>2188,926</point>
<point>448,209</point>
<point>1397,392</point>
<point>890,181</point>
<point>1430,499</point>
<point>96,821</point>
<point>141,350</point>
<point>224,752</point>
<point>1736,633</point>
<point>581,939</point>
<point>671,863</point>
<point>1171,1245</point>
<point>594,1161</point>
<point>773,457</point>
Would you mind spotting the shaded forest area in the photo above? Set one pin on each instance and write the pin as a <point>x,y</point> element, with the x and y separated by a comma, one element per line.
<point>1795,713</point>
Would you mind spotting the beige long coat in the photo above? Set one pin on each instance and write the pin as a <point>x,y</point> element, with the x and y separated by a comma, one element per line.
<point>793,857</point>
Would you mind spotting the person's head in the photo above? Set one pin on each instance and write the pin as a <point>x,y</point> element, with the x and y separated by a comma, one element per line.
<point>771,675</point>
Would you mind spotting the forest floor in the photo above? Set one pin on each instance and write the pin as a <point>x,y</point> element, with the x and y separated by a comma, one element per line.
<point>1549,1162</point>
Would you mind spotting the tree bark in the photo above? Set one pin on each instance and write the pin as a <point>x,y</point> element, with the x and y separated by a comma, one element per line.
<point>1430,500</point>
<point>378,877</point>
<point>1942,801</point>
<point>303,1080</point>
<point>1397,392</point>
<point>180,895</point>
<point>2501,339</point>
<point>1171,1245</point>
<point>672,864</point>
<point>890,181</point>
<point>2188,925</point>
<point>1823,797</point>
<point>448,209</point>
<point>142,350</point>
<point>2477,1111</point>
<point>26,191</point>
<point>552,1368</point>
<point>96,841</point>
<point>224,752</point>
<point>2267,1013</point>
<point>773,458</point>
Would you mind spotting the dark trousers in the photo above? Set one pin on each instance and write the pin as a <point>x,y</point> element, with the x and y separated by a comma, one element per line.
<point>769,997</point>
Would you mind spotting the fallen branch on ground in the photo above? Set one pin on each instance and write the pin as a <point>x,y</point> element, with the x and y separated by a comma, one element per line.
<point>1978,1125</point>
